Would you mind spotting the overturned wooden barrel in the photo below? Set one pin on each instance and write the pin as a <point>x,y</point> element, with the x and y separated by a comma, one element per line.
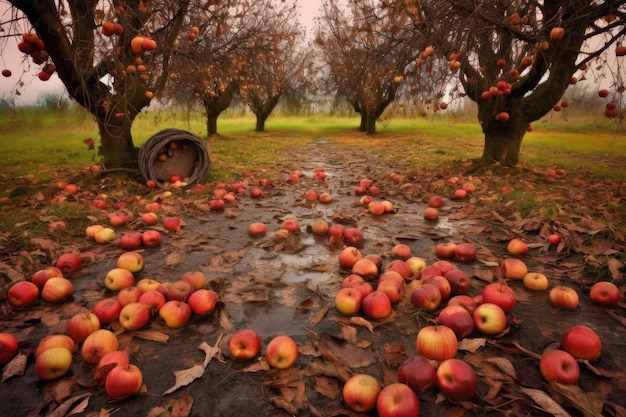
<point>174,152</point>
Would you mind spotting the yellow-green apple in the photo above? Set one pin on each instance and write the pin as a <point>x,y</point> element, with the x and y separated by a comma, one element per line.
<point>122,382</point>
<point>436,342</point>
<point>465,301</point>
<point>465,252</point>
<point>560,366</point>
<point>68,263</point>
<point>90,231</point>
<point>53,363</point>
<point>23,293</point>
<point>415,264</point>
<point>119,278</point>
<point>500,294</point>
<point>393,288</point>
<point>153,299</point>
<point>244,344</point>
<point>399,266</point>
<point>107,310</point>
<point>257,229</point>
<point>418,373</point>
<point>81,325</point>
<point>57,290</point>
<point>134,316</point>
<point>397,400</point>
<point>175,314</point>
<point>110,361</point>
<point>172,224</point>
<point>104,236</point>
<point>197,279</point>
<point>427,297</point>
<point>535,281</point>
<point>360,392</point>
<point>131,240</point>
<point>151,238</point>
<point>445,249</point>
<point>349,256</point>
<point>441,283</point>
<point>53,341</point>
<point>582,342</point>
<point>489,319</point>
<point>348,301</point>
<point>149,219</point>
<point>8,347</point>
<point>431,213</point>
<point>281,352</point>
<point>353,236</point>
<point>365,267</point>
<point>376,305</point>
<point>459,281</point>
<point>564,297</point>
<point>401,251</point>
<point>147,284</point>
<point>291,225</point>
<point>456,380</point>
<point>98,344</point>
<point>203,301</point>
<point>129,295</point>
<point>131,261</point>
<point>513,268</point>
<point>605,293</point>
<point>517,246</point>
<point>435,201</point>
<point>458,319</point>
<point>40,277</point>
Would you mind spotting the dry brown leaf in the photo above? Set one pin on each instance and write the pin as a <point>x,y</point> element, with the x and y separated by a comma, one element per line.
<point>472,345</point>
<point>590,404</point>
<point>65,409</point>
<point>320,314</point>
<point>174,258</point>
<point>614,266</point>
<point>503,365</point>
<point>152,335</point>
<point>15,367</point>
<point>328,387</point>
<point>360,321</point>
<point>175,407</point>
<point>545,402</point>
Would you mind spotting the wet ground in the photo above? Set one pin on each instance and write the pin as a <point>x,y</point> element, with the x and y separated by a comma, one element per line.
<point>288,286</point>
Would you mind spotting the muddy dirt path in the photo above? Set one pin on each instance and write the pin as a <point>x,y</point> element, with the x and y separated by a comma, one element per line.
<point>288,287</point>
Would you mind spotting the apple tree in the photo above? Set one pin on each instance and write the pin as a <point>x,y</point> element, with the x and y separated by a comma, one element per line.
<point>516,59</point>
<point>112,57</point>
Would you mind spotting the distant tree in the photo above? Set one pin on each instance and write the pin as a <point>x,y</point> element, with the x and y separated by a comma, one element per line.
<point>111,56</point>
<point>515,59</point>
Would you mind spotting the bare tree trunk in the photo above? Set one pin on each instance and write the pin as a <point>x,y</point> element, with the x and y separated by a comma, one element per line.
<point>211,124</point>
<point>117,143</point>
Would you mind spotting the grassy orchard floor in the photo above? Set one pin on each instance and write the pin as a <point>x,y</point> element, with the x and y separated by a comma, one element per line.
<point>288,286</point>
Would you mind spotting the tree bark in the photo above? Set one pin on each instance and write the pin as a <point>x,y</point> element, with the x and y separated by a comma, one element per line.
<point>211,124</point>
<point>116,138</point>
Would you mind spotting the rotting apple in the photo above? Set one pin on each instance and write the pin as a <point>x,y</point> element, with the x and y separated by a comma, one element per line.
<point>107,310</point>
<point>436,342</point>
<point>244,344</point>
<point>418,373</point>
<point>360,392</point>
<point>281,352</point>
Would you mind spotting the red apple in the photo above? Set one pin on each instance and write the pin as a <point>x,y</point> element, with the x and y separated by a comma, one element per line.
<point>118,219</point>
<point>376,207</point>
<point>377,259</point>
<point>560,366</point>
<point>349,256</point>
<point>443,265</point>
<point>431,213</point>
<point>399,266</point>
<point>418,373</point>
<point>513,268</point>
<point>151,238</point>
<point>134,316</point>
<point>203,301</point>
<point>172,224</point>
<point>393,288</point>
<point>441,283</point>
<point>257,229</point>
<point>401,251</point>
<point>119,278</point>
<point>360,392</point>
<point>129,295</point>
<point>40,277</point>
<point>54,341</point>
<point>353,236</point>
<point>53,363</point>
<point>178,291</point>
<point>131,261</point>
<point>535,281</point>
<point>605,293</point>
<point>415,264</point>
<point>517,246</point>
<point>68,263</point>
<point>244,344</point>
<point>456,380</point>
<point>153,299</point>
<point>435,201</point>
<point>109,361</point>
<point>81,325</point>
<point>107,310</point>
<point>582,342</point>
<point>397,400</point>
<point>564,297</point>
<point>554,239</point>
<point>376,305</point>
<point>131,240</point>
<point>458,319</point>
<point>430,270</point>
<point>336,230</point>
<point>436,342</point>
<point>291,225</point>
<point>427,297</point>
<point>348,301</point>
<point>149,219</point>
<point>8,347</point>
<point>458,280</point>
<point>465,301</point>
<point>489,319</point>
<point>393,276</point>
<point>500,294</point>
<point>459,194</point>
<point>122,382</point>
<point>445,249</point>
<point>98,344</point>
<point>175,314</point>
<point>466,252</point>
<point>23,293</point>
<point>281,352</point>
<point>57,290</point>
<point>365,267</point>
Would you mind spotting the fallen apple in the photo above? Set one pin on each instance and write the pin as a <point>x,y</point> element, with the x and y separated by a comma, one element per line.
<point>427,297</point>
<point>244,344</point>
<point>119,278</point>
<point>458,319</point>
<point>397,400</point>
<point>605,293</point>
<point>122,382</point>
<point>560,366</point>
<point>53,363</point>
<point>376,305</point>
<point>360,392</point>
<point>348,301</point>
<point>134,315</point>
<point>8,347</point>
<point>54,341</point>
<point>107,310</point>
<point>175,314</point>
<point>22,293</point>
<point>582,342</point>
<point>457,380</point>
<point>436,342</point>
<point>69,263</point>
<point>57,289</point>
<point>131,261</point>
<point>98,344</point>
<point>81,325</point>
<point>418,373</point>
<point>489,319</point>
<point>203,301</point>
<point>535,281</point>
<point>564,297</point>
<point>281,352</point>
